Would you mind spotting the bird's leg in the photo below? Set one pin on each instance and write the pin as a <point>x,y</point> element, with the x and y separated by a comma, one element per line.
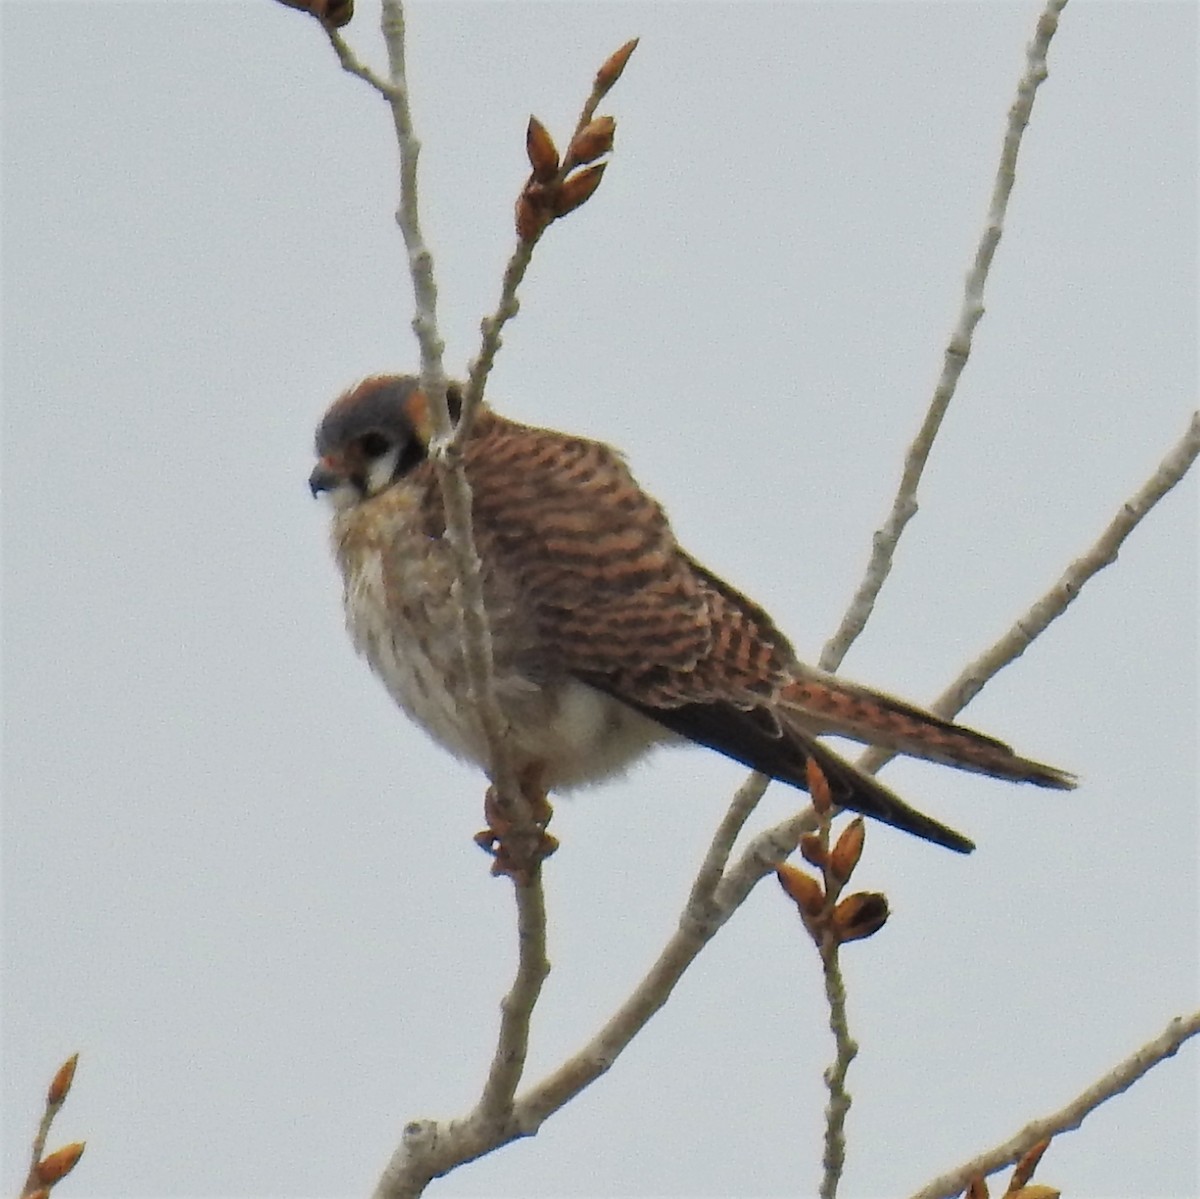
<point>517,846</point>
<point>532,781</point>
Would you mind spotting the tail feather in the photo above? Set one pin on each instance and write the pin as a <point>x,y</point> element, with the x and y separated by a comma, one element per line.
<point>823,704</point>
<point>778,738</point>
<point>757,738</point>
<point>860,792</point>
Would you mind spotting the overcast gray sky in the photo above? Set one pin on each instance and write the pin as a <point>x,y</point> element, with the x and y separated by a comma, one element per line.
<point>244,888</point>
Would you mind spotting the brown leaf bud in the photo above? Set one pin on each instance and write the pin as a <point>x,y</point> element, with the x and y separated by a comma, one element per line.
<point>594,139</point>
<point>818,787</point>
<point>338,12</point>
<point>57,1165</point>
<point>808,894</point>
<point>1023,1170</point>
<point>812,850</point>
<point>61,1083</point>
<point>40,1193</point>
<point>845,854</point>
<point>1034,1191</point>
<point>610,72</point>
<point>531,217</point>
<point>543,154</point>
<point>334,13</point>
<point>859,915</point>
<point>577,189</point>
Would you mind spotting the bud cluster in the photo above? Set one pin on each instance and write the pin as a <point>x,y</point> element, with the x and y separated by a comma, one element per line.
<point>830,919</point>
<point>558,185</point>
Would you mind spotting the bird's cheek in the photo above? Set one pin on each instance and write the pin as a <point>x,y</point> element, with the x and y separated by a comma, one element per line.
<point>343,496</point>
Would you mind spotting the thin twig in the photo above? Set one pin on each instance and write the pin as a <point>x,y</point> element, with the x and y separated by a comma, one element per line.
<point>490,328</point>
<point>351,63</point>
<point>414,1171</point>
<point>420,258</point>
<point>45,1170</point>
<point>1065,592</point>
<point>508,1064</point>
<point>759,857</point>
<point>769,848</point>
<point>456,491</point>
<point>429,1148</point>
<point>834,1157</point>
<point>744,801</point>
<point>904,506</point>
<point>1119,1079</point>
<point>508,306</point>
<point>541,1101</point>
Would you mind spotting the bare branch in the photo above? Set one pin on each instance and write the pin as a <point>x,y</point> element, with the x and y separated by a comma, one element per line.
<point>516,1009</point>
<point>456,492</point>
<point>1064,593</point>
<point>744,802</point>
<point>834,1159</point>
<point>420,259</point>
<point>904,506</point>
<point>490,327</point>
<point>543,1100</point>
<point>1119,1079</point>
<point>766,851</point>
<point>703,916</point>
<point>431,1148</point>
<point>508,306</point>
<point>410,1171</point>
<point>351,63</point>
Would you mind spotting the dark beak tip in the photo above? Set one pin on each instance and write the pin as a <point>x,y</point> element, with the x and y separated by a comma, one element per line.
<point>321,479</point>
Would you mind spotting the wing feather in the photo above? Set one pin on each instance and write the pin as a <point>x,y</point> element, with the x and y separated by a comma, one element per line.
<point>619,605</point>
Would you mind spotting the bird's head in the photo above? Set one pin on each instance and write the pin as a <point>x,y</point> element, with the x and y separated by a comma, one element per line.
<point>372,436</point>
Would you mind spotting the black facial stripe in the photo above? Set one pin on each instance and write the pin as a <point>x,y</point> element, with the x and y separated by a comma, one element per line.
<point>411,456</point>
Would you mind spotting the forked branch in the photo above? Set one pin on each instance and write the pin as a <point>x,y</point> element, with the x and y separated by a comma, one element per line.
<point>958,350</point>
<point>1044,611</point>
<point>1118,1079</point>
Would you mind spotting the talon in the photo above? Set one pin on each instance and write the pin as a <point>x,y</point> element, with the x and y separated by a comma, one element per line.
<point>518,849</point>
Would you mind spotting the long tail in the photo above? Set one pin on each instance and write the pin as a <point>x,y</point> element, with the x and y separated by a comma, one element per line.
<point>824,704</point>
<point>762,739</point>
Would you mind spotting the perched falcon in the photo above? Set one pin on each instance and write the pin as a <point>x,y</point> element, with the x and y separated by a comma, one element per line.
<point>607,637</point>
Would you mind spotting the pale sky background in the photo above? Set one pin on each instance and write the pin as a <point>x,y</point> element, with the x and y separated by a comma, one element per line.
<point>245,889</point>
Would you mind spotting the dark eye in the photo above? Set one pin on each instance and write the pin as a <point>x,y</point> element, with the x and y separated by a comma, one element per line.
<point>374,445</point>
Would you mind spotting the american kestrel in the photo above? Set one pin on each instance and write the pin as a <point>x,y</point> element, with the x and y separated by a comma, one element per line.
<point>608,638</point>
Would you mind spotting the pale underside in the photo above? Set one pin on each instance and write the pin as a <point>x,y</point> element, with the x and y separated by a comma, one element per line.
<point>404,621</point>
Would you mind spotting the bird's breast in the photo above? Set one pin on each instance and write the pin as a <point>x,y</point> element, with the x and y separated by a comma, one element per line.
<point>402,616</point>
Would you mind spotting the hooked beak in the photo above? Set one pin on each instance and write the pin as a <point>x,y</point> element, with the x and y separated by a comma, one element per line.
<point>325,477</point>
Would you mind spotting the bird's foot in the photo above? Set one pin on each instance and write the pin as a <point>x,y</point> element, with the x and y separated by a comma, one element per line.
<point>518,843</point>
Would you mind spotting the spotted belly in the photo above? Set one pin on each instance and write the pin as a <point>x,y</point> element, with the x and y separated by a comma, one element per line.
<point>404,621</point>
